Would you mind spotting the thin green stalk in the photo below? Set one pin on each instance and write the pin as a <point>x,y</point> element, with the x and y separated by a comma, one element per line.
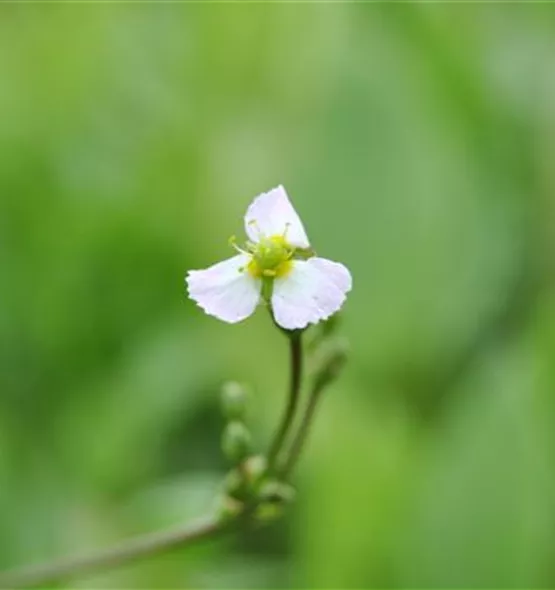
<point>112,557</point>
<point>302,433</point>
<point>151,544</point>
<point>331,357</point>
<point>296,361</point>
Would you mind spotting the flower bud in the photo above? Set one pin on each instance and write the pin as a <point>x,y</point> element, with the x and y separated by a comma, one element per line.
<point>234,484</point>
<point>234,401</point>
<point>277,492</point>
<point>229,508</point>
<point>236,441</point>
<point>268,512</point>
<point>255,469</point>
<point>273,496</point>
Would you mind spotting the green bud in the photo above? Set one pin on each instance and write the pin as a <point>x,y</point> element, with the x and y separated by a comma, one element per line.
<point>229,508</point>
<point>268,512</point>
<point>234,484</point>
<point>236,441</point>
<point>276,492</point>
<point>255,469</point>
<point>234,401</point>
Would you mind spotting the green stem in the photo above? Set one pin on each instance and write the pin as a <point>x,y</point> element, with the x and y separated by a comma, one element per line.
<point>296,361</point>
<point>302,433</point>
<point>127,551</point>
<point>158,542</point>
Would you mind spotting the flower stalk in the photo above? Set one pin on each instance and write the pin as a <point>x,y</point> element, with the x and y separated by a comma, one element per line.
<point>261,507</point>
<point>296,364</point>
<point>280,269</point>
<point>331,357</point>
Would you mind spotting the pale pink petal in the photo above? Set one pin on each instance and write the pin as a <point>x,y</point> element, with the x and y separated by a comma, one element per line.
<point>225,290</point>
<point>272,214</point>
<point>313,291</point>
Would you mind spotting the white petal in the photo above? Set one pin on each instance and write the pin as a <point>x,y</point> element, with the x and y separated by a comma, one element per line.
<point>272,214</point>
<point>336,272</point>
<point>313,291</point>
<point>224,291</point>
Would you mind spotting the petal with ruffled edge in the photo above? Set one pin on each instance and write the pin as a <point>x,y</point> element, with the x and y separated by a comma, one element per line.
<point>271,214</point>
<point>312,291</point>
<point>224,290</point>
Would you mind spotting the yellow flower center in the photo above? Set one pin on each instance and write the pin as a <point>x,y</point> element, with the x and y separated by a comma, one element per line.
<point>271,258</point>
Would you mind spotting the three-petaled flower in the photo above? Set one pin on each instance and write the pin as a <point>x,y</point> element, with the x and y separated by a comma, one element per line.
<point>277,266</point>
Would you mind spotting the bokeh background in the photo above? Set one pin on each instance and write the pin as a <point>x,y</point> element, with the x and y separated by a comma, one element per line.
<point>417,142</point>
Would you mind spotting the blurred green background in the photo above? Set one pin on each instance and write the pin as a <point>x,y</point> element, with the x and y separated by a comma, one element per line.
<point>417,142</point>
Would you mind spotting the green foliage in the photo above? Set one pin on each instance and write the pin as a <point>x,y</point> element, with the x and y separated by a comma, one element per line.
<point>416,142</point>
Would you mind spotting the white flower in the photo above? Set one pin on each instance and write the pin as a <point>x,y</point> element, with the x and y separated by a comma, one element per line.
<point>277,266</point>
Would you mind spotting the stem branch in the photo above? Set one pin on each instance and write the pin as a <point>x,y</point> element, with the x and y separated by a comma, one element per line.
<point>118,555</point>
